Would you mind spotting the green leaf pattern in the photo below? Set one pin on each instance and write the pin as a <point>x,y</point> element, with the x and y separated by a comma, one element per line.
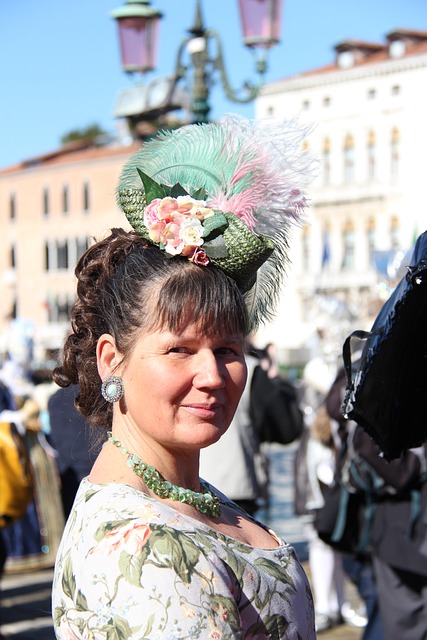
<point>132,568</point>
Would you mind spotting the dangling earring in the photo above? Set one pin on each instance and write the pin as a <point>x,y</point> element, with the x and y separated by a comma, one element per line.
<point>112,389</point>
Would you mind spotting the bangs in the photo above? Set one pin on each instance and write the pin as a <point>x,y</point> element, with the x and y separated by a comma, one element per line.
<point>202,296</point>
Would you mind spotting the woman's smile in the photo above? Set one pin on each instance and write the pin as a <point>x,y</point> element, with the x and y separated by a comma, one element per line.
<point>206,411</point>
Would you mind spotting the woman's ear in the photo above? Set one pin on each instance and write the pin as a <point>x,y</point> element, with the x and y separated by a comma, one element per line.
<point>107,355</point>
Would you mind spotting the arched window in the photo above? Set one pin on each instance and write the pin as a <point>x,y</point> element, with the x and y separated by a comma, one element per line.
<point>326,246</point>
<point>394,153</point>
<point>348,159</point>
<point>348,246</point>
<point>371,237</point>
<point>326,161</point>
<point>395,233</point>
<point>371,156</point>
<point>305,239</point>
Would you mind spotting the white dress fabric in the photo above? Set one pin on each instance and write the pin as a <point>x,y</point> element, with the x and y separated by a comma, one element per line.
<point>131,567</point>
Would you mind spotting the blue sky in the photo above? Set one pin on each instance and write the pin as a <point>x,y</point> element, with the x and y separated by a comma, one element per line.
<point>60,65</point>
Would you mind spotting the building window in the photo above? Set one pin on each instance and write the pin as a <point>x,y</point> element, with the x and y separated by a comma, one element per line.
<point>371,238</point>
<point>371,151</point>
<point>59,308</point>
<point>65,199</point>
<point>371,94</point>
<point>82,246</point>
<point>63,313</point>
<point>46,201</point>
<point>86,197</point>
<point>394,153</point>
<point>326,247</point>
<point>395,90</point>
<point>348,246</point>
<point>12,206</point>
<point>62,255</point>
<point>395,233</point>
<point>348,159</point>
<point>305,238</point>
<point>326,101</point>
<point>326,161</point>
<point>13,257</point>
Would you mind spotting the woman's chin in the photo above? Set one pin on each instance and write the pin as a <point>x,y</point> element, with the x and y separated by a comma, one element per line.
<point>210,435</point>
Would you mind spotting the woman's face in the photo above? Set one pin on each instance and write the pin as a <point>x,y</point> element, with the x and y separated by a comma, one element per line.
<point>182,389</point>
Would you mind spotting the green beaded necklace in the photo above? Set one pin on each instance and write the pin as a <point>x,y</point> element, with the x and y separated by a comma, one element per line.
<point>206,502</point>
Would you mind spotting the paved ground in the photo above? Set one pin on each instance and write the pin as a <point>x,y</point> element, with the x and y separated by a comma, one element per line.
<point>25,606</point>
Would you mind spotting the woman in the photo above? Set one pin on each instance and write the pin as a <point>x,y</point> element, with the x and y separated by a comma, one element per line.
<point>150,550</point>
<point>327,575</point>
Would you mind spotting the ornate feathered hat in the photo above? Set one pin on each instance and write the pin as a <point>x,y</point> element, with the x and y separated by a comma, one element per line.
<point>224,194</point>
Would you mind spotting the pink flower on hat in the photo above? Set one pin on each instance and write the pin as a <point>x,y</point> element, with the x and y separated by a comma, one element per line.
<point>199,257</point>
<point>176,224</point>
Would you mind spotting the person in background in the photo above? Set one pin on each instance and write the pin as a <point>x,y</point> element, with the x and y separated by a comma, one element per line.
<point>399,539</point>
<point>326,571</point>
<point>357,567</point>
<point>158,348</point>
<point>236,464</point>
<point>6,404</point>
<point>70,437</point>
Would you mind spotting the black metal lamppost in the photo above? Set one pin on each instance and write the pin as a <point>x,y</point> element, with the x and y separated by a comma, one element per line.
<point>138,24</point>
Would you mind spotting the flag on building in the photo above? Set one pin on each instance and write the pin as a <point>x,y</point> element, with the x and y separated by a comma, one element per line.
<point>326,253</point>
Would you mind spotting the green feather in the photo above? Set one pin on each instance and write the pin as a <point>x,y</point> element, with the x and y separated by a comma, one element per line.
<point>173,155</point>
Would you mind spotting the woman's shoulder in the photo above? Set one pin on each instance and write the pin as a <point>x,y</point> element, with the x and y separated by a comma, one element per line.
<point>117,501</point>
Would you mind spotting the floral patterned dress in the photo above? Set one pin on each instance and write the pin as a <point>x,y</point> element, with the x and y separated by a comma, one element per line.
<point>132,567</point>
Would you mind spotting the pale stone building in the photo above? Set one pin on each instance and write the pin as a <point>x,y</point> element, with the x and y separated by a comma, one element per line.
<point>368,109</point>
<point>50,209</point>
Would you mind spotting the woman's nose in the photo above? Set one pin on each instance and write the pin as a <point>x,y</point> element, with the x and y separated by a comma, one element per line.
<point>209,371</point>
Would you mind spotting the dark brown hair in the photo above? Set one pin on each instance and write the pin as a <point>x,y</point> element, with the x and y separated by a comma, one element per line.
<point>121,281</point>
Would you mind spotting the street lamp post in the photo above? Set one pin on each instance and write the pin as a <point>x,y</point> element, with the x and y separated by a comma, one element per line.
<point>138,25</point>
<point>138,22</point>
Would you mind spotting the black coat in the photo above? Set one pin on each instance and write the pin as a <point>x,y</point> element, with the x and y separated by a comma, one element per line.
<point>399,534</point>
<point>70,435</point>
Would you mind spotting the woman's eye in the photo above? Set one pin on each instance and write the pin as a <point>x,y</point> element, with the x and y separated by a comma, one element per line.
<point>225,351</point>
<point>178,350</point>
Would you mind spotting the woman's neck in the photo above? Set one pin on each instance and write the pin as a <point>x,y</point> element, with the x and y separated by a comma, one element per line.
<point>176,466</point>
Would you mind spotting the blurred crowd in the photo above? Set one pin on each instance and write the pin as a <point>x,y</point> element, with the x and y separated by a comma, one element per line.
<point>60,449</point>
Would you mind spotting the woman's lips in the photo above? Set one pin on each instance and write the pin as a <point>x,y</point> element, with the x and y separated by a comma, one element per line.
<point>205,411</point>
